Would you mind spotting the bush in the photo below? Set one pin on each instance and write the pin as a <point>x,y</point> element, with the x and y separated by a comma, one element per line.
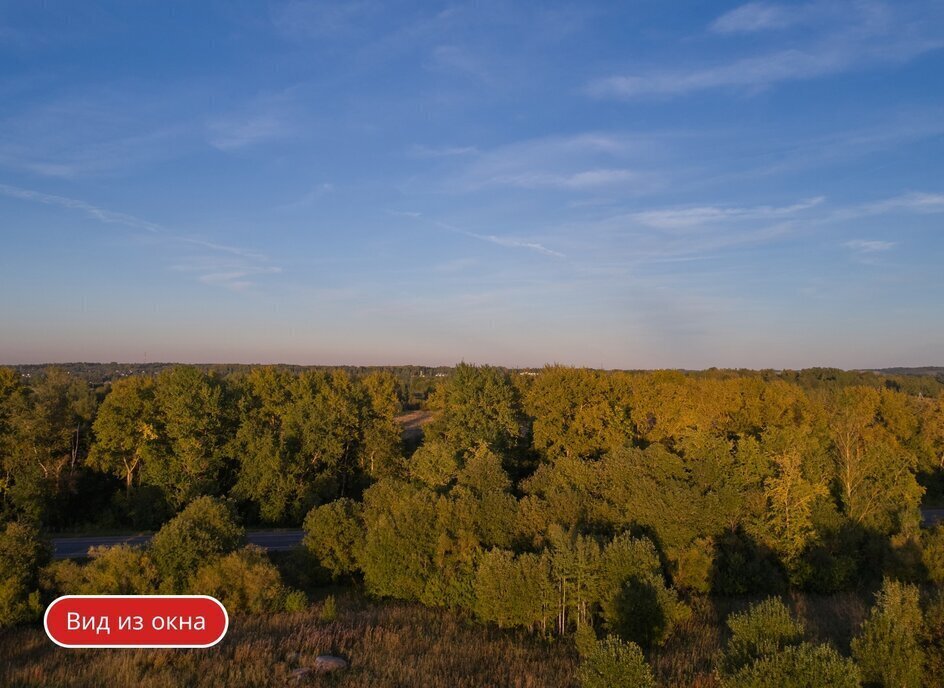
<point>244,581</point>
<point>612,663</point>
<point>888,648</point>
<point>296,601</point>
<point>763,630</point>
<point>933,641</point>
<point>799,666</point>
<point>333,533</point>
<point>329,610</point>
<point>21,555</point>
<point>204,530</point>
<point>118,570</point>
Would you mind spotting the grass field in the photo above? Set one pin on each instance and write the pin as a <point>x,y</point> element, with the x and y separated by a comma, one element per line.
<point>387,644</point>
<point>393,644</point>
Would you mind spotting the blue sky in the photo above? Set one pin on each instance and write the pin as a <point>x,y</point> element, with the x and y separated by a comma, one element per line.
<point>623,185</point>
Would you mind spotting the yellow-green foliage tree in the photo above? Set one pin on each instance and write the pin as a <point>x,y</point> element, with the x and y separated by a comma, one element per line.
<point>203,530</point>
<point>476,404</point>
<point>888,647</point>
<point>22,553</point>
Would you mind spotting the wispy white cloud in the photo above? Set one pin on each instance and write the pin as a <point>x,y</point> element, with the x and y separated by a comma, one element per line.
<point>689,217</point>
<point>92,211</point>
<point>869,245</point>
<point>513,242</point>
<point>79,133</point>
<point>584,179</point>
<point>916,202</point>
<point>581,162</point>
<point>868,33</point>
<point>759,16</point>
<point>421,151</point>
<point>231,274</point>
<point>225,265</point>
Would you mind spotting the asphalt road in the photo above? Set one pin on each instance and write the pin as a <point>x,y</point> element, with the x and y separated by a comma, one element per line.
<point>271,540</point>
<point>78,547</point>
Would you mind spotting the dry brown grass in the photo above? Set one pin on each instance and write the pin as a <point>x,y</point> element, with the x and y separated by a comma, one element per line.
<point>388,644</point>
<point>398,644</point>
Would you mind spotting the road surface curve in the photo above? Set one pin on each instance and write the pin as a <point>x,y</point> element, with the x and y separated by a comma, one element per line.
<point>271,540</point>
<point>78,547</point>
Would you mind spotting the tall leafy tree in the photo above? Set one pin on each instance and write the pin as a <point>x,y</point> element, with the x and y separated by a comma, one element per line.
<point>126,429</point>
<point>476,404</point>
<point>192,435</point>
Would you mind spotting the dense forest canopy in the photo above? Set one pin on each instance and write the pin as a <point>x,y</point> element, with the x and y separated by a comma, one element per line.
<point>556,500</point>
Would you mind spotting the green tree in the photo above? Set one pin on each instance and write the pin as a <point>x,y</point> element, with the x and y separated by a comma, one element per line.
<point>117,570</point>
<point>613,663</point>
<point>874,468</point>
<point>635,600</point>
<point>888,647</point>
<point>191,435</point>
<point>382,451</point>
<point>244,581</point>
<point>790,495</point>
<point>762,631</point>
<point>476,404</point>
<point>513,590</point>
<point>334,533</point>
<point>798,666</point>
<point>22,553</point>
<point>50,433</point>
<point>126,428</point>
<point>273,473</point>
<point>576,413</point>
<point>434,464</point>
<point>202,531</point>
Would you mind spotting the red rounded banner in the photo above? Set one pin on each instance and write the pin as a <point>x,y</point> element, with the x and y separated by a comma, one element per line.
<point>136,621</point>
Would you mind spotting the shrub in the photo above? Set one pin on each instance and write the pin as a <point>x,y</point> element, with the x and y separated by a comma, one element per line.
<point>329,610</point>
<point>119,570</point>
<point>204,530</point>
<point>296,601</point>
<point>333,533</point>
<point>888,647</point>
<point>799,666</point>
<point>763,630</point>
<point>933,641</point>
<point>244,581</point>
<point>21,555</point>
<point>613,663</point>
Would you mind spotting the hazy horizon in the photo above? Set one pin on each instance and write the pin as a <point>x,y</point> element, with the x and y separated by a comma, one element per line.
<point>452,364</point>
<point>640,186</point>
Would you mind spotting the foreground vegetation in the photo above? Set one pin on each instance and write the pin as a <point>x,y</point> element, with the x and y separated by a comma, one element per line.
<point>624,515</point>
<point>389,645</point>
